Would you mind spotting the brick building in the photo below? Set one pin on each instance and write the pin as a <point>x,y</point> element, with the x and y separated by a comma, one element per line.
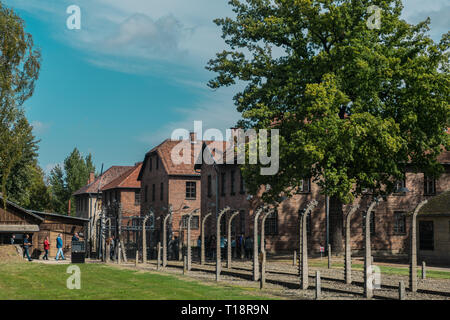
<point>126,191</point>
<point>433,232</point>
<point>88,200</point>
<point>390,225</point>
<point>164,183</point>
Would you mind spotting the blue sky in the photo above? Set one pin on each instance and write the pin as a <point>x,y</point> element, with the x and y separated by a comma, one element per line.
<point>135,72</point>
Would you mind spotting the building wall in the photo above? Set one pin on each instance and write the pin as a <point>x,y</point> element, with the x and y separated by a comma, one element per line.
<point>384,241</point>
<point>51,227</point>
<point>177,198</point>
<point>441,252</point>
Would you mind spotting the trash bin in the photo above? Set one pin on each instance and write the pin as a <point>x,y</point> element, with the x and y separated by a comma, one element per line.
<point>78,251</point>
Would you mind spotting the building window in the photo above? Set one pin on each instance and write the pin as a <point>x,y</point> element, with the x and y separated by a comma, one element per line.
<point>195,222</point>
<point>153,192</point>
<point>222,175</point>
<point>426,235</point>
<point>232,181</point>
<point>161,192</point>
<point>242,221</point>
<point>137,198</point>
<point>305,186</point>
<point>191,190</point>
<point>429,186</point>
<point>372,223</point>
<point>146,194</point>
<point>241,183</point>
<point>399,184</point>
<point>209,185</point>
<point>271,225</point>
<point>399,223</point>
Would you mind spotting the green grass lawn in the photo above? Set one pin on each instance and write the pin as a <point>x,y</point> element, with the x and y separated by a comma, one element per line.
<point>101,282</point>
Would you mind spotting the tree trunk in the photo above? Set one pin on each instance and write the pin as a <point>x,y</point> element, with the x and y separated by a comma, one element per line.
<point>336,226</point>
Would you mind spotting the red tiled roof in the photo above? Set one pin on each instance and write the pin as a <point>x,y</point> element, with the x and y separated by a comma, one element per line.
<point>126,180</point>
<point>108,176</point>
<point>164,152</point>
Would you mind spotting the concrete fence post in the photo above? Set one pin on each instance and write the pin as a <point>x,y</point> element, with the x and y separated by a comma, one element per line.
<point>202,241</point>
<point>255,244</point>
<point>158,261</point>
<point>424,270</point>
<point>294,261</point>
<point>329,256</point>
<point>304,244</point>
<point>262,258</point>
<point>230,221</point>
<point>413,248</point>
<point>348,246</point>
<point>218,249</point>
<point>368,272</point>
<point>401,290</point>
<point>318,286</point>
<point>166,218</point>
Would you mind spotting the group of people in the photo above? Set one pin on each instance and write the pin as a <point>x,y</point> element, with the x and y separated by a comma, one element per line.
<point>27,244</point>
<point>241,247</point>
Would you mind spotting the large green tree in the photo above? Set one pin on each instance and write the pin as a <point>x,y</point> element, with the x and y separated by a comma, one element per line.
<point>354,104</point>
<point>64,181</point>
<point>19,69</point>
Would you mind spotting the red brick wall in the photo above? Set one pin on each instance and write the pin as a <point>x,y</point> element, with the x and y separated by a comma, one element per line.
<point>174,194</point>
<point>383,241</point>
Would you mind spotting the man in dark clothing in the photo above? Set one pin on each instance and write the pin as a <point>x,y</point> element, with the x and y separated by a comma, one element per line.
<point>26,245</point>
<point>13,238</point>
<point>75,237</point>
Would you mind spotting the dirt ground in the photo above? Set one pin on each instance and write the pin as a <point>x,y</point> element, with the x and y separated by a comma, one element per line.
<point>9,253</point>
<point>282,281</point>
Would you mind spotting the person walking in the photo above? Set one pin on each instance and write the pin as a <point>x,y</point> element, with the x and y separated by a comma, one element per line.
<point>26,245</point>
<point>59,246</point>
<point>46,248</point>
<point>13,238</point>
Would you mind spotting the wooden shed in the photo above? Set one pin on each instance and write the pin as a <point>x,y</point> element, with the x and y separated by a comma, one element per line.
<point>54,224</point>
<point>17,220</point>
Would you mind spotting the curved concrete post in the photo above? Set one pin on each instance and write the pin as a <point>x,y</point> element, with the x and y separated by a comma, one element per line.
<point>144,239</point>
<point>180,242</point>
<point>166,218</point>
<point>189,249</point>
<point>368,277</point>
<point>202,241</point>
<point>263,230</point>
<point>255,244</point>
<point>304,244</point>
<point>218,249</point>
<point>348,247</point>
<point>230,220</point>
<point>413,248</point>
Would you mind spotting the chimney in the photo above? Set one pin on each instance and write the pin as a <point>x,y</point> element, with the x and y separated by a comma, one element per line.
<point>193,137</point>
<point>91,177</point>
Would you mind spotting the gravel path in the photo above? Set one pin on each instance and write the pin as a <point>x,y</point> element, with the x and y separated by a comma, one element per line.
<point>282,281</point>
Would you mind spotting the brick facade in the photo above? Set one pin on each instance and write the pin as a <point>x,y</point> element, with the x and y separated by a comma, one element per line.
<point>391,228</point>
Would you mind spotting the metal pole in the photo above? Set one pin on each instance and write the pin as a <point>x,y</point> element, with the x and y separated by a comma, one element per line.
<point>327,209</point>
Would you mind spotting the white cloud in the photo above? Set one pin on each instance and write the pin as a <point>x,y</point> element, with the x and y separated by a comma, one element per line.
<point>40,127</point>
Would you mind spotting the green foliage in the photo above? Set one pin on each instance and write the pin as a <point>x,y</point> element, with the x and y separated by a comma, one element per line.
<point>65,181</point>
<point>19,69</point>
<point>354,106</point>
